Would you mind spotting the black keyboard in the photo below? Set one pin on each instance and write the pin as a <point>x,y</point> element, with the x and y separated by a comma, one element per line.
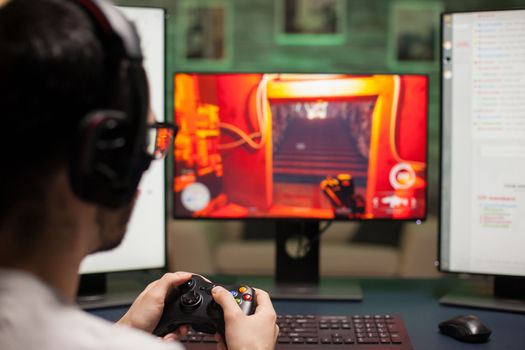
<point>369,332</point>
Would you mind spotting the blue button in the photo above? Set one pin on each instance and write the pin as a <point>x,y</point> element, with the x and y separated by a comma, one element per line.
<point>234,293</point>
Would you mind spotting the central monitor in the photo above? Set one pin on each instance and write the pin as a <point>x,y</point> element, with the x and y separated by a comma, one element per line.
<point>299,149</point>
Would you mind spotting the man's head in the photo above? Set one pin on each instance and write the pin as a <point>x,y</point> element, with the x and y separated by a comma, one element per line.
<point>73,99</point>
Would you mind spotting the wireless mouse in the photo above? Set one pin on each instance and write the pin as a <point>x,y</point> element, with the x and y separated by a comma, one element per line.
<point>466,328</point>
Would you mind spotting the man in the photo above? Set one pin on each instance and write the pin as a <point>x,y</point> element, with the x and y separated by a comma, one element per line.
<point>73,148</point>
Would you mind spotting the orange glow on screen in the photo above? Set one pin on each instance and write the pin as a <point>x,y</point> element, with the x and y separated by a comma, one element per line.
<point>300,146</point>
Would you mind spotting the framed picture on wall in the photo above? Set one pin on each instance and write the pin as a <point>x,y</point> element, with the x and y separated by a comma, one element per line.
<point>204,34</point>
<point>414,35</point>
<point>310,22</point>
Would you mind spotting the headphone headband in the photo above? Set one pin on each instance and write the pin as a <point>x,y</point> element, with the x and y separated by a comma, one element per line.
<point>112,25</point>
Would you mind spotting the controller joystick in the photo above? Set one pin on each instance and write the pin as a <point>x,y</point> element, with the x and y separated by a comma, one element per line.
<point>188,285</point>
<point>192,303</point>
<point>190,300</point>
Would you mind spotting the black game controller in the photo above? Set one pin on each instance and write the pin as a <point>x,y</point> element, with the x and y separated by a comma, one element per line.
<point>191,303</point>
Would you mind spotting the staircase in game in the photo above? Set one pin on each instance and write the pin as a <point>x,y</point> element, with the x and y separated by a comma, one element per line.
<point>312,149</point>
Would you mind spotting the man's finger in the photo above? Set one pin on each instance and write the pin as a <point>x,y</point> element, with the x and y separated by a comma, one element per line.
<point>160,288</point>
<point>264,303</point>
<point>225,299</point>
<point>171,280</point>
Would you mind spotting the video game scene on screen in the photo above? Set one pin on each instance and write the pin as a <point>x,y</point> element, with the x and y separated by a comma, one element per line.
<point>318,146</point>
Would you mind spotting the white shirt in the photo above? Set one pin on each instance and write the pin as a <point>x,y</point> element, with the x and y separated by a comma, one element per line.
<point>33,316</point>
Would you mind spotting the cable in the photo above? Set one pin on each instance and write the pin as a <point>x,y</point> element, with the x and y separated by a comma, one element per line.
<point>303,246</point>
<point>245,138</point>
<point>261,102</point>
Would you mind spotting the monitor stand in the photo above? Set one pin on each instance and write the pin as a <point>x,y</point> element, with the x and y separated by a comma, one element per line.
<point>504,294</point>
<point>95,292</point>
<point>297,267</point>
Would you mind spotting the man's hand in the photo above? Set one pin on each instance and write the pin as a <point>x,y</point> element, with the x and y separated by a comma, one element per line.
<point>146,310</point>
<point>256,332</point>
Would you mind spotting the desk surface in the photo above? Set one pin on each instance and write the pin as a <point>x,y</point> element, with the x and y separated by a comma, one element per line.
<point>416,301</point>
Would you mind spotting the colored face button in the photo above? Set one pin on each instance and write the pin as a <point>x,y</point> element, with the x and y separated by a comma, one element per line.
<point>238,300</point>
<point>247,297</point>
<point>243,289</point>
<point>234,293</point>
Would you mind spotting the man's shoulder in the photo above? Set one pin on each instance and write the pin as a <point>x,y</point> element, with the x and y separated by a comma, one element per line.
<point>72,328</point>
<point>105,335</point>
<point>32,316</point>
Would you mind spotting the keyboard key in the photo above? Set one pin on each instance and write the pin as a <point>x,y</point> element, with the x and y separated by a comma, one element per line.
<point>283,340</point>
<point>208,339</point>
<point>195,339</point>
<point>349,340</point>
<point>302,330</point>
<point>368,340</point>
<point>396,338</point>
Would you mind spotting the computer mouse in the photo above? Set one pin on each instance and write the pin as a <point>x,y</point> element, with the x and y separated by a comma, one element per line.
<point>466,328</point>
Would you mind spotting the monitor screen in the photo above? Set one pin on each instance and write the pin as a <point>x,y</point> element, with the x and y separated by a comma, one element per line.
<point>305,146</point>
<point>483,143</point>
<point>144,246</point>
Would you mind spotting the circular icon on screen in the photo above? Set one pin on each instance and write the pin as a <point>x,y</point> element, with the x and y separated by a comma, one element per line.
<point>402,176</point>
<point>195,197</point>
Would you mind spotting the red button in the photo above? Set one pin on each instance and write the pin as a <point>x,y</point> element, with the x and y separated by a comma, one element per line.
<point>247,297</point>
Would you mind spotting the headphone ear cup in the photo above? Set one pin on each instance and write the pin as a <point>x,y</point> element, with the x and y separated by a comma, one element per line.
<point>99,164</point>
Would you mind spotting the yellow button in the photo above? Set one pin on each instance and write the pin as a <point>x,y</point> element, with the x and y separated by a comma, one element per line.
<point>242,289</point>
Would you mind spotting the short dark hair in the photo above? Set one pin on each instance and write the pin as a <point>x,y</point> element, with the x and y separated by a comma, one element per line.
<point>51,75</point>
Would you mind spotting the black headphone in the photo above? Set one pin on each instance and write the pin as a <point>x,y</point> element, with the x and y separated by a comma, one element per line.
<point>110,155</point>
